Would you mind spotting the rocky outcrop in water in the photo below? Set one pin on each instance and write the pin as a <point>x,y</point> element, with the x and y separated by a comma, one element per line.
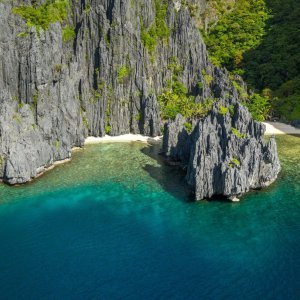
<point>225,154</point>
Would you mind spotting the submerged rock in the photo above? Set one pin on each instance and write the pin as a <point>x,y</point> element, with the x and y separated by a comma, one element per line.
<point>225,154</point>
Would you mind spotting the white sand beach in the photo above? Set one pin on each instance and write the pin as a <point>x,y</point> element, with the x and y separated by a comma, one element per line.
<point>280,128</point>
<point>122,138</point>
<point>271,128</point>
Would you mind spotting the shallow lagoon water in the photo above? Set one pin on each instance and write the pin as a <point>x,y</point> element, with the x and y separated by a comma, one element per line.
<point>115,223</point>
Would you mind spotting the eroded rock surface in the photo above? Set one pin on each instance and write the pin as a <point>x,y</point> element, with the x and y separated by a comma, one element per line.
<point>55,93</point>
<point>225,154</point>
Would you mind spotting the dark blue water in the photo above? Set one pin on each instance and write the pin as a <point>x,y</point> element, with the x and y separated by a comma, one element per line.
<point>117,224</point>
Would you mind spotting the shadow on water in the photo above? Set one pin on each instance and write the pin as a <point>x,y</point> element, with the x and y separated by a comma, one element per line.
<point>170,178</point>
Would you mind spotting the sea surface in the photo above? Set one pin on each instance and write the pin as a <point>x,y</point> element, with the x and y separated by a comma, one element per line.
<point>116,223</point>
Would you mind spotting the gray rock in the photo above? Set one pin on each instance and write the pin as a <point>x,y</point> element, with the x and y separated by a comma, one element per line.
<point>54,94</point>
<point>296,123</point>
<point>227,154</point>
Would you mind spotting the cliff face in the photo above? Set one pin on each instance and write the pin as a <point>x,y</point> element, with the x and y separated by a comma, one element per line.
<point>105,79</point>
<point>54,93</point>
<point>225,154</point>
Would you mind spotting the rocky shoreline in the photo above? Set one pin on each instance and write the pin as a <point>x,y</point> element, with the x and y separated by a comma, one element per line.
<point>225,154</point>
<point>107,80</point>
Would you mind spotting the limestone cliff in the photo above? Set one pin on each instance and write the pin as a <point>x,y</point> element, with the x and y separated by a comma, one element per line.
<point>225,154</point>
<point>55,91</point>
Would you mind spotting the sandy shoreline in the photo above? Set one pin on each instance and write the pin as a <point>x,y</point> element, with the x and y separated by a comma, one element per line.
<point>97,140</point>
<point>123,138</point>
<point>280,128</point>
<point>271,129</point>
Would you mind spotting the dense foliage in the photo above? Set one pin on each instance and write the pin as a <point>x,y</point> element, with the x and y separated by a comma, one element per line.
<point>42,16</point>
<point>275,63</point>
<point>238,30</point>
<point>286,99</point>
<point>175,98</point>
<point>259,106</point>
<point>158,30</point>
<point>68,34</point>
<point>260,39</point>
<point>123,73</point>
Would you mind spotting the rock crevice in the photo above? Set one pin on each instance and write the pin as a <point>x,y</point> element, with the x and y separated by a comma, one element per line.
<point>54,93</point>
<point>225,154</point>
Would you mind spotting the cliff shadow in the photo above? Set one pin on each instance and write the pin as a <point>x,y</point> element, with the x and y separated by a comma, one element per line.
<point>170,177</point>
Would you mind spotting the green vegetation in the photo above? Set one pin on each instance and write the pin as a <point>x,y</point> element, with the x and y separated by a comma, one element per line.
<point>87,9</point>
<point>223,110</point>
<point>123,73</point>
<point>231,110</point>
<point>260,39</point>
<point>84,118</point>
<point>20,105</point>
<point>107,129</point>
<point>174,66</point>
<point>234,163</point>
<point>238,134</point>
<point>237,31</point>
<point>138,117</point>
<point>101,85</point>
<point>188,126</point>
<point>57,144</point>
<point>68,34</point>
<point>275,63</point>
<point>286,100</point>
<point>158,30</point>
<point>242,93</point>
<point>17,118</point>
<point>207,78</point>
<point>96,97</point>
<point>35,98</point>
<point>241,27</point>
<point>276,60</point>
<point>259,106</point>
<point>23,34</point>
<point>42,16</point>
<point>57,68</point>
<point>175,100</point>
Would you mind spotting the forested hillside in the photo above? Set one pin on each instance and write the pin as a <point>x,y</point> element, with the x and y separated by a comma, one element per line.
<point>260,40</point>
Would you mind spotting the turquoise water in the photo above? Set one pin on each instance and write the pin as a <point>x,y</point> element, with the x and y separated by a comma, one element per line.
<point>115,223</point>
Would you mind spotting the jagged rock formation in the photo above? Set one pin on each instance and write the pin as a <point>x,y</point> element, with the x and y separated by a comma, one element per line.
<point>225,154</point>
<point>54,93</point>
